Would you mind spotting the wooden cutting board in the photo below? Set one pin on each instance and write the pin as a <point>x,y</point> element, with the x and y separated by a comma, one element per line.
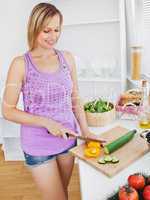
<point>127,154</point>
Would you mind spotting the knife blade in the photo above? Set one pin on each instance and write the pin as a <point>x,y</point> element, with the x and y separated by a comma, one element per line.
<point>87,138</point>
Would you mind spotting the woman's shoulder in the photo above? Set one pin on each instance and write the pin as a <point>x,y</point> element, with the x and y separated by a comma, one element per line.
<point>69,58</point>
<point>18,60</point>
<point>67,54</point>
<point>18,65</point>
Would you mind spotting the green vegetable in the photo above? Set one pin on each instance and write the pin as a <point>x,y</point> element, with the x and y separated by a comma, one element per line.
<point>101,161</point>
<point>98,106</point>
<point>113,146</point>
<point>108,159</point>
<point>114,159</point>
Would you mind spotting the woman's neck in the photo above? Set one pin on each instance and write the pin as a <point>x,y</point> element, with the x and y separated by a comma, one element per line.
<point>40,52</point>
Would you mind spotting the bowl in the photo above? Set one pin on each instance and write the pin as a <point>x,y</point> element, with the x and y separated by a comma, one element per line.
<point>101,119</point>
<point>143,135</point>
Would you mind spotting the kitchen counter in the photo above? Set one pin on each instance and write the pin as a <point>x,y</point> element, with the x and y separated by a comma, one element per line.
<point>97,186</point>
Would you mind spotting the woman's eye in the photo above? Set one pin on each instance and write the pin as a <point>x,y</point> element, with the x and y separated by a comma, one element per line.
<point>45,31</point>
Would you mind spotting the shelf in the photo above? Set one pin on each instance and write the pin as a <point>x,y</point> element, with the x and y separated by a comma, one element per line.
<point>98,80</point>
<point>134,83</point>
<point>92,23</point>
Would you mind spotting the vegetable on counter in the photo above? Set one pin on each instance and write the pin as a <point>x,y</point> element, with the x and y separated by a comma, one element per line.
<point>137,181</point>
<point>92,149</point>
<point>92,152</point>
<point>113,146</point>
<point>108,159</point>
<point>137,188</point>
<point>98,106</point>
<point>146,192</point>
<point>128,193</point>
<point>94,144</point>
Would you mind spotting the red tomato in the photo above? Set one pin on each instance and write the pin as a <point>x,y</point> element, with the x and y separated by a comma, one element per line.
<point>146,192</point>
<point>128,193</point>
<point>136,181</point>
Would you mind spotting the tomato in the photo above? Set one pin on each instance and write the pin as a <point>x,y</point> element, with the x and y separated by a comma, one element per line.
<point>146,192</point>
<point>136,181</point>
<point>128,193</point>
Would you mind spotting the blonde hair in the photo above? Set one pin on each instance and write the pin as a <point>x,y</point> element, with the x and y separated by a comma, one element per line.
<point>38,19</point>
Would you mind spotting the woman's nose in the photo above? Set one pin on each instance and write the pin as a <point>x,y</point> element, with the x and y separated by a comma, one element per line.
<point>52,34</point>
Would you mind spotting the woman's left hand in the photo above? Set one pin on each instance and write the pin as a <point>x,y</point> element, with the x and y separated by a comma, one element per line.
<point>91,135</point>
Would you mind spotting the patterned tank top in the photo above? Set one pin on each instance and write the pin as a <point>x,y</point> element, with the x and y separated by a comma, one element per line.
<point>47,95</point>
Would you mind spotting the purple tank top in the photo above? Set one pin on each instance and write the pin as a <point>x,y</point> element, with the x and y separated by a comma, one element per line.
<point>48,95</point>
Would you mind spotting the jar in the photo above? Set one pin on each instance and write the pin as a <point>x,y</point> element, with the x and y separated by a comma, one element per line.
<point>136,62</point>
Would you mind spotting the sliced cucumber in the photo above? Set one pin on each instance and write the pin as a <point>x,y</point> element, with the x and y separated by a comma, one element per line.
<point>101,161</point>
<point>108,158</point>
<point>114,159</point>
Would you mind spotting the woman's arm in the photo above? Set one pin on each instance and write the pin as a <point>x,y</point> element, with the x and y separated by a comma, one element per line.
<point>77,104</point>
<point>12,91</point>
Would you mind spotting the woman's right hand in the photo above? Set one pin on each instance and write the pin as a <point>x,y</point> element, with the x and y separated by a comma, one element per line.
<point>57,129</point>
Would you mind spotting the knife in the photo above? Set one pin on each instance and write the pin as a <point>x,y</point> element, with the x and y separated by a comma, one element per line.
<point>87,139</point>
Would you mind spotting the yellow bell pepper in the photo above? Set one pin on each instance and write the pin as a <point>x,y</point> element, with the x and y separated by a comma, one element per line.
<point>92,152</point>
<point>93,144</point>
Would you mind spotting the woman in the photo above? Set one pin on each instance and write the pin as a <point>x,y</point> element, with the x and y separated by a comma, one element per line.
<point>47,79</point>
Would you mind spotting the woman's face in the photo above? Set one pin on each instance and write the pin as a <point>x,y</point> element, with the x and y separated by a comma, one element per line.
<point>48,37</point>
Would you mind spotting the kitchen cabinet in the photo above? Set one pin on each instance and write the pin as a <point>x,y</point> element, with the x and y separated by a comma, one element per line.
<point>97,39</point>
<point>10,133</point>
<point>97,186</point>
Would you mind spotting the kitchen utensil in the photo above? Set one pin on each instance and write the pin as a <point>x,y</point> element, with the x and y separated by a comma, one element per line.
<point>87,139</point>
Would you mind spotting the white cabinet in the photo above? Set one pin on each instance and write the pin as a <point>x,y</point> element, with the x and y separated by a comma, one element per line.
<point>95,32</point>
<point>97,39</point>
<point>10,133</point>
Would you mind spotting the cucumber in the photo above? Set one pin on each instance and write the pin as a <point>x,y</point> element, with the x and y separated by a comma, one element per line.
<point>113,146</point>
<point>107,158</point>
<point>114,159</point>
<point>101,161</point>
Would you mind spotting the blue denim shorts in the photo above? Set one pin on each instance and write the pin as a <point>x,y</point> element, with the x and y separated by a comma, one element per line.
<point>33,161</point>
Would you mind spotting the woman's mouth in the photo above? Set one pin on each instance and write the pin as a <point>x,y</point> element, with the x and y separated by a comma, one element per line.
<point>50,42</point>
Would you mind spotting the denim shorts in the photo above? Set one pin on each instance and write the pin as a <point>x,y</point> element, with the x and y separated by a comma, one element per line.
<point>33,161</point>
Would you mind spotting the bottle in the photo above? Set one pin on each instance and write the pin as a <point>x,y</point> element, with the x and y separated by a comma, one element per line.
<point>144,113</point>
<point>136,62</point>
